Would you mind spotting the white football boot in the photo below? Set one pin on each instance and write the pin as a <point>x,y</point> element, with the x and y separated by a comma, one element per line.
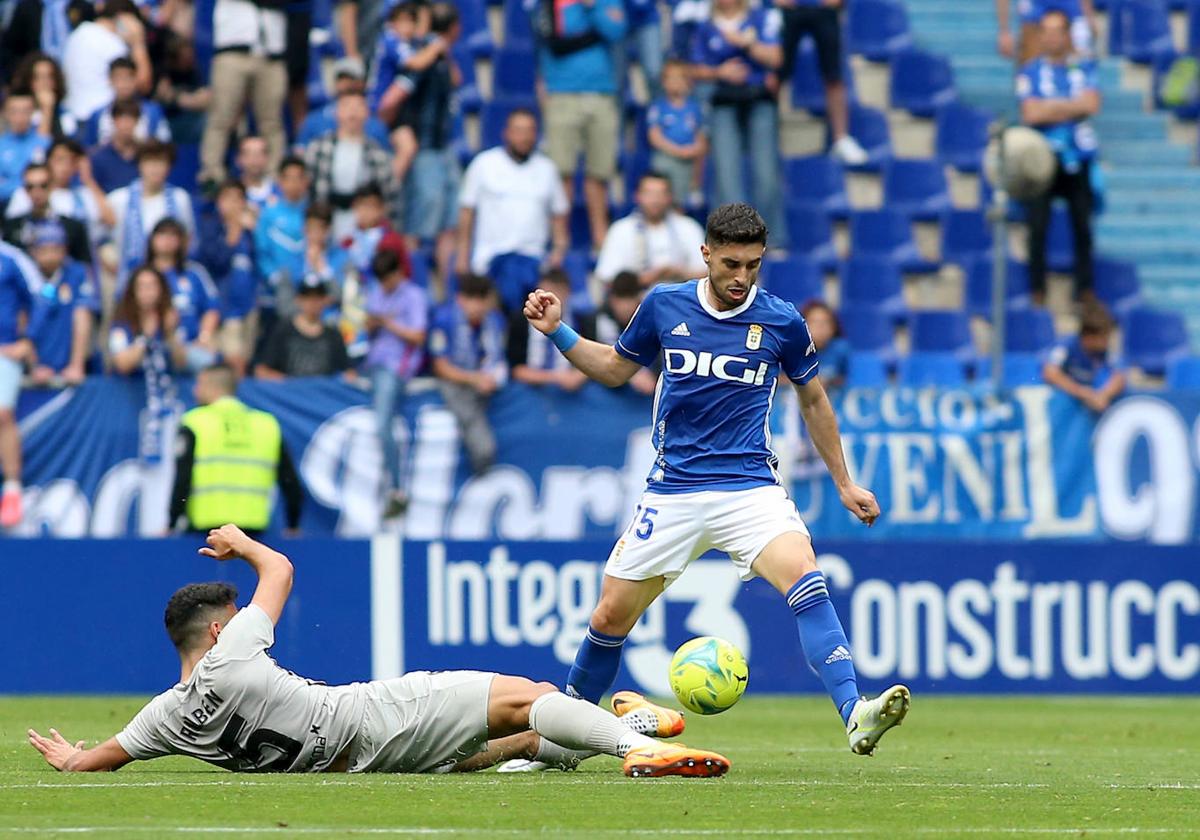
<point>869,719</point>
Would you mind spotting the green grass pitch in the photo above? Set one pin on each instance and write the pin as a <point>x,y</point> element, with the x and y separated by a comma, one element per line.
<point>980,767</point>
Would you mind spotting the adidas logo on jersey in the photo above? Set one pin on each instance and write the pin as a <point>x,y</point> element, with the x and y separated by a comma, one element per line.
<point>682,330</point>
<point>839,653</point>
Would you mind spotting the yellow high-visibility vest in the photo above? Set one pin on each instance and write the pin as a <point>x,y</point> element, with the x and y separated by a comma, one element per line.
<point>235,465</point>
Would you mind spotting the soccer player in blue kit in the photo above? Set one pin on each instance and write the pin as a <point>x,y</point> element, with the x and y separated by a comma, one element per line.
<point>714,483</point>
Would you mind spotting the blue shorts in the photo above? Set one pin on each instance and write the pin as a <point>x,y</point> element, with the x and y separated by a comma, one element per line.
<point>10,382</point>
<point>431,193</point>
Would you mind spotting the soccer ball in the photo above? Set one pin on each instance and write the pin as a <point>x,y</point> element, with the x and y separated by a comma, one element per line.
<point>708,675</point>
<point>1029,162</point>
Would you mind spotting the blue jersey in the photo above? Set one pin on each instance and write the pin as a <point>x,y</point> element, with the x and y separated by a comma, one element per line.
<point>1091,369</point>
<point>679,124</point>
<point>719,376</point>
<point>1073,142</point>
<point>19,279</point>
<point>52,324</point>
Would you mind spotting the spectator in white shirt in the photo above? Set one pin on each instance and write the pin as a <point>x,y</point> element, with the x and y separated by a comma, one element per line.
<point>511,204</point>
<point>116,32</point>
<point>654,241</point>
<point>143,204</point>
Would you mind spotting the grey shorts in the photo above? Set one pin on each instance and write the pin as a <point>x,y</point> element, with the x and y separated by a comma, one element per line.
<point>10,382</point>
<point>422,722</point>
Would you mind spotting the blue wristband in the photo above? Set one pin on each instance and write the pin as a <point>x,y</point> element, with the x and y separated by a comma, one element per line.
<point>564,337</point>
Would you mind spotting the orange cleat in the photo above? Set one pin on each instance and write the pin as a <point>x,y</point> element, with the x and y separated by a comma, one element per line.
<point>674,760</point>
<point>653,719</point>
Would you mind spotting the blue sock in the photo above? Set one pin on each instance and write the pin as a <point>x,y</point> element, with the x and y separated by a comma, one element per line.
<point>596,664</point>
<point>824,640</point>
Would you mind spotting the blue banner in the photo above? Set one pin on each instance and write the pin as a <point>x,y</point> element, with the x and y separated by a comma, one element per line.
<point>945,464</point>
<point>999,618</point>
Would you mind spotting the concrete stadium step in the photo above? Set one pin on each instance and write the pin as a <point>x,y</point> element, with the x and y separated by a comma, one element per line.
<point>1119,127</point>
<point>1113,228</point>
<point>1148,153</point>
<point>1152,179</point>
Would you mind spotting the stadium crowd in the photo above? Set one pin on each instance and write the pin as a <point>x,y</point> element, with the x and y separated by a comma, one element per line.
<point>164,209</point>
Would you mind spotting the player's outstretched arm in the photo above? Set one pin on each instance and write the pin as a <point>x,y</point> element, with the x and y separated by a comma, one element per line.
<point>598,361</point>
<point>274,570</point>
<point>822,425</point>
<point>61,754</point>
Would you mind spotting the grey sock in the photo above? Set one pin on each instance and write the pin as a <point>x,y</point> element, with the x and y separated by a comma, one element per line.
<point>579,725</point>
<point>560,757</point>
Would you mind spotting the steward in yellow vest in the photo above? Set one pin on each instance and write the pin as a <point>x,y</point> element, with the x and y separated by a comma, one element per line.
<point>228,458</point>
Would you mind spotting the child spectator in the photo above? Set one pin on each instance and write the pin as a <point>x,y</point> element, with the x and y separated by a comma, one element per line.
<point>405,50</point>
<point>18,284</point>
<point>144,203</point>
<point>64,311</point>
<point>321,256</point>
<point>227,251</point>
<point>151,125</point>
<point>676,131</point>
<point>833,351</point>
<point>114,164</point>
<point>40,76</point>
<point>20,144</point>
<point>279,234</point>
<point>532,358</point>
<point>1082,365</point>
<point>192,292</point>
<point>620,304</point>
<point>372,231</point>
<point>397,321</point>
<point>305,345</point>
<point>467,344</point>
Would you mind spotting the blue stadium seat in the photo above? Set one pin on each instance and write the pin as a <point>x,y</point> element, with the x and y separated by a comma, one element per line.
<point>1060,242</point>
<point>811,235</point>
<point>870,128</point>
<point>962,135</point>
<point>921,369</point>
<point>876,281</point>
<point>887,233</point>
<point>868,329</point>
<point>866,370</point>
<point>877,29</point>
<point>517,28</point>
<point>1184,372</point>
<point>796,279</point>
<point>475,32</point>
<point>1139,30</point>
<point>916,188</point>
<point>979,286</point>
<point>817,181</point>
<point>1116,284</point>
<point>495,114</point>
<point>921,82</point>
<point>966,235</point>
<point>1193,36</point>
<point>1153,338</point>
<point>808,89</point>
<point>941,331</point>
<point>514,72</point>
<point>1029,331</point>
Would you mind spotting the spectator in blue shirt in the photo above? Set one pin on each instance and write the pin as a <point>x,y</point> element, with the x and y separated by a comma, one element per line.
<point>1081,366</point>
<point>675,123</point>
<point>737,49</point>
<point>151,125</point>
<point>193,293</point>
<point>114,164</point>
<point>1058,94</point>
<point>279,234</point>
<point>467,345</point>
<point>227,251</point>
<point>18,285</point>
<point>575,39</point>
<point>20,144</point>
<point>64,311</point>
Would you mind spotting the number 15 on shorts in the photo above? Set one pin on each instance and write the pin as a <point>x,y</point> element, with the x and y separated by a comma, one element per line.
<point>645,525</point>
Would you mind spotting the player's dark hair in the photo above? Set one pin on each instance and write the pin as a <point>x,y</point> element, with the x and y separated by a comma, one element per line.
<point>122,63</point>
<point>290,161</point>
<point>190,609</point>
<point>321,211</point>
<point>735,224</point>
<point>1095,320</point>
<point>385,263</point>
<point>625,285</point>
<point>474,286</point>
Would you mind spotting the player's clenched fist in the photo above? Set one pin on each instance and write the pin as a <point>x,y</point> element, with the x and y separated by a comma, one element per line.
<point>543,310</point>
<point>226,542</point>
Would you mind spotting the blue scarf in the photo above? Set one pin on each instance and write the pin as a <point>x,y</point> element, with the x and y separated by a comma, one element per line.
<point>55,28</point>
<point>133,237</point>
<point>160,399</point>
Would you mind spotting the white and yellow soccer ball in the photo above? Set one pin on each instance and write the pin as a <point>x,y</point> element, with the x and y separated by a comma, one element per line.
<point>708,675</point>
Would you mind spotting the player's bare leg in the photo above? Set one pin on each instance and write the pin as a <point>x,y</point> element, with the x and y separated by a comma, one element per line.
<point>621,604</point>
<point>517,704</point>
<point>789,564</point>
